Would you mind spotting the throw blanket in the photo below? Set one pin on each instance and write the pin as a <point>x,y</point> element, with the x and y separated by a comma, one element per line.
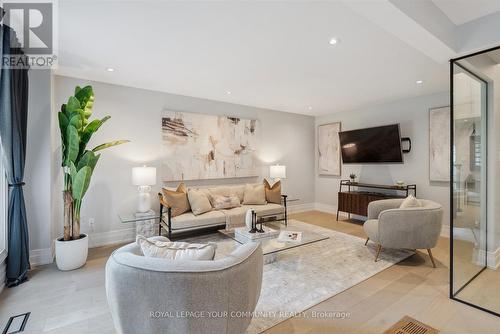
<point>234,219</point>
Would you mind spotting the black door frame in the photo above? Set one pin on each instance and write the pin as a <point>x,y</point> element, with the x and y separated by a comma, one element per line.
<point>454,62</point>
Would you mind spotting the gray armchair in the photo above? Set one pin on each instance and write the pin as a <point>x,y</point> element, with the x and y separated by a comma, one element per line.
<point>153,295</point>
<point>409,228</point>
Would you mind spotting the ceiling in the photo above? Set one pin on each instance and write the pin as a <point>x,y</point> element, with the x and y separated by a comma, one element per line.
<point>273,55</point>
<point>463,11</point>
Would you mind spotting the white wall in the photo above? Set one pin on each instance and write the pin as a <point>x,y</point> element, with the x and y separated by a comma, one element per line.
<point>413,116</point>
<point>37,192</point>
<point>287,139</point>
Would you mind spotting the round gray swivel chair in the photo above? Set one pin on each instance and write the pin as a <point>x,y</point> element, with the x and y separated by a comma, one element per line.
<point>408,228</point>
<point>154,295</point>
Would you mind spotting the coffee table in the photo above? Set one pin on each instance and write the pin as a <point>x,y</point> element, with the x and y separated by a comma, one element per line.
<point>271,247</point>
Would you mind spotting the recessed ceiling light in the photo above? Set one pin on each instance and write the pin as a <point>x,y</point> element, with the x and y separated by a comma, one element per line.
<point>228,92</point>
<point>419,82</point>
<point>333,41</point>
<point>110,69</point>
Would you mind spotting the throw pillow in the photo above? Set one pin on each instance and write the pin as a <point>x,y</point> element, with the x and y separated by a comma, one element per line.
<point>410,202</point>
<point>254,194</point>
<point>239,191</point>
<point>169,250</point>
<point>199,201</point>
<point>177,199</point>
<point>225,202</point>
<point>273,193</point>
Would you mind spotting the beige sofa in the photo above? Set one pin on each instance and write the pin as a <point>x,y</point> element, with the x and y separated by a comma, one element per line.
<point>230,218</point>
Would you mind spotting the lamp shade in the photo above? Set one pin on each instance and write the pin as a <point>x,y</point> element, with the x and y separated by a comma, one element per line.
<point>143,176</point>
<point>277,172</point>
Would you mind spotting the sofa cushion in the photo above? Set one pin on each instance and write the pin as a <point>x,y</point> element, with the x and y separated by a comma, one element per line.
<point>219,191</point>
<point>254,194</point>
<point>238,190</point>
<point>199,201</point>
<point>220,202</point>
<point>224,190</point>
<point>273,192</point>
<point>169,250</point>
<point>189,220</point>
<point>177,199</point>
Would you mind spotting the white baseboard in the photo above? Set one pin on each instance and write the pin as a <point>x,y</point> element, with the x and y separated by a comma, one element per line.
<point>111,237</point>
<point>42,256</point>
<point>494,259</point>
<point>445,231</point>
<point>300,207</point>
<point>328,208</point>
<point>128,235</point>
<point>325,208</point>
<point>332,209</point>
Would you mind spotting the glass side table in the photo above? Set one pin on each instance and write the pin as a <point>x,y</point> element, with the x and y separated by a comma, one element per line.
<point>146,223</point>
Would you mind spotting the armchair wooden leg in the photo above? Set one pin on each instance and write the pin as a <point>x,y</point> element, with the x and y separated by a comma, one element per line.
<point>366,243</point>
<point>379,248</point>
<point>432,257</point>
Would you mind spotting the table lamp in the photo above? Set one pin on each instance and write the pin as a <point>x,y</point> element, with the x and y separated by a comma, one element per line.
<point>144,177</point>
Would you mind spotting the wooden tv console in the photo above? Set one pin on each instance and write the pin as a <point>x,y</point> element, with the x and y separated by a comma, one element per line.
<point>355,200</point>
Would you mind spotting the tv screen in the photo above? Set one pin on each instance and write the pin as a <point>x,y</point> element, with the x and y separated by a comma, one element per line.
<point>380,144</point>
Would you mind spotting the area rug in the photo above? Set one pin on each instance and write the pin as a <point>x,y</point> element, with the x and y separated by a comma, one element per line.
<point>307,275</point>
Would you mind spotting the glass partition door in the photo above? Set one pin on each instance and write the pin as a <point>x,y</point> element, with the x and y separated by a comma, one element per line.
<point>468,188</point>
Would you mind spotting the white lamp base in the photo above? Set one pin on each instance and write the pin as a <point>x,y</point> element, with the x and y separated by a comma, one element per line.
<point>144,202</point>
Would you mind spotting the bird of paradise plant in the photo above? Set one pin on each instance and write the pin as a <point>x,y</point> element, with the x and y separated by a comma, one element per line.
<point>78,162</point>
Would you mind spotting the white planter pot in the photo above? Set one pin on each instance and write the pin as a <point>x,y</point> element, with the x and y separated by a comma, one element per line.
<point>72,254</point>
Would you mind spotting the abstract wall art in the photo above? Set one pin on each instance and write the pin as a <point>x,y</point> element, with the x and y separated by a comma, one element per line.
<point>200,146</point>
<point>329,149</point>
<point>439,144</point>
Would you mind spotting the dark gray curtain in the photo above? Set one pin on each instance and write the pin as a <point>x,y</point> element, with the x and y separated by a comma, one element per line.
<point>13,122</point>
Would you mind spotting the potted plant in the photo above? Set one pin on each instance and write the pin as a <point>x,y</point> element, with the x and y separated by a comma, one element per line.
<point>78,164</point>
<point>352,176</point>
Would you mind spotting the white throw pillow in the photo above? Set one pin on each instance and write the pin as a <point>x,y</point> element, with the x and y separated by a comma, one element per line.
<point>254,194</point>
<point>176,250</point>
<point>410,202</point>
<point>199,202</point>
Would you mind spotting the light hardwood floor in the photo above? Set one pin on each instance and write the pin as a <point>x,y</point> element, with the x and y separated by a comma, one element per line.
<point>75,302</point>
<point>411,287</point>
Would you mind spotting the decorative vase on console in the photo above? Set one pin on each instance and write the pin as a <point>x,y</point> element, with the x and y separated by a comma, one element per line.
<point>352,177</point>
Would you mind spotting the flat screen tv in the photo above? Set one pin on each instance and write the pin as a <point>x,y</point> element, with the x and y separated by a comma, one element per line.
<point>381,144</point>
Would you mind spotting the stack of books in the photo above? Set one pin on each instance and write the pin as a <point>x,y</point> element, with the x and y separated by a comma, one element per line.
<point>242,234</point>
